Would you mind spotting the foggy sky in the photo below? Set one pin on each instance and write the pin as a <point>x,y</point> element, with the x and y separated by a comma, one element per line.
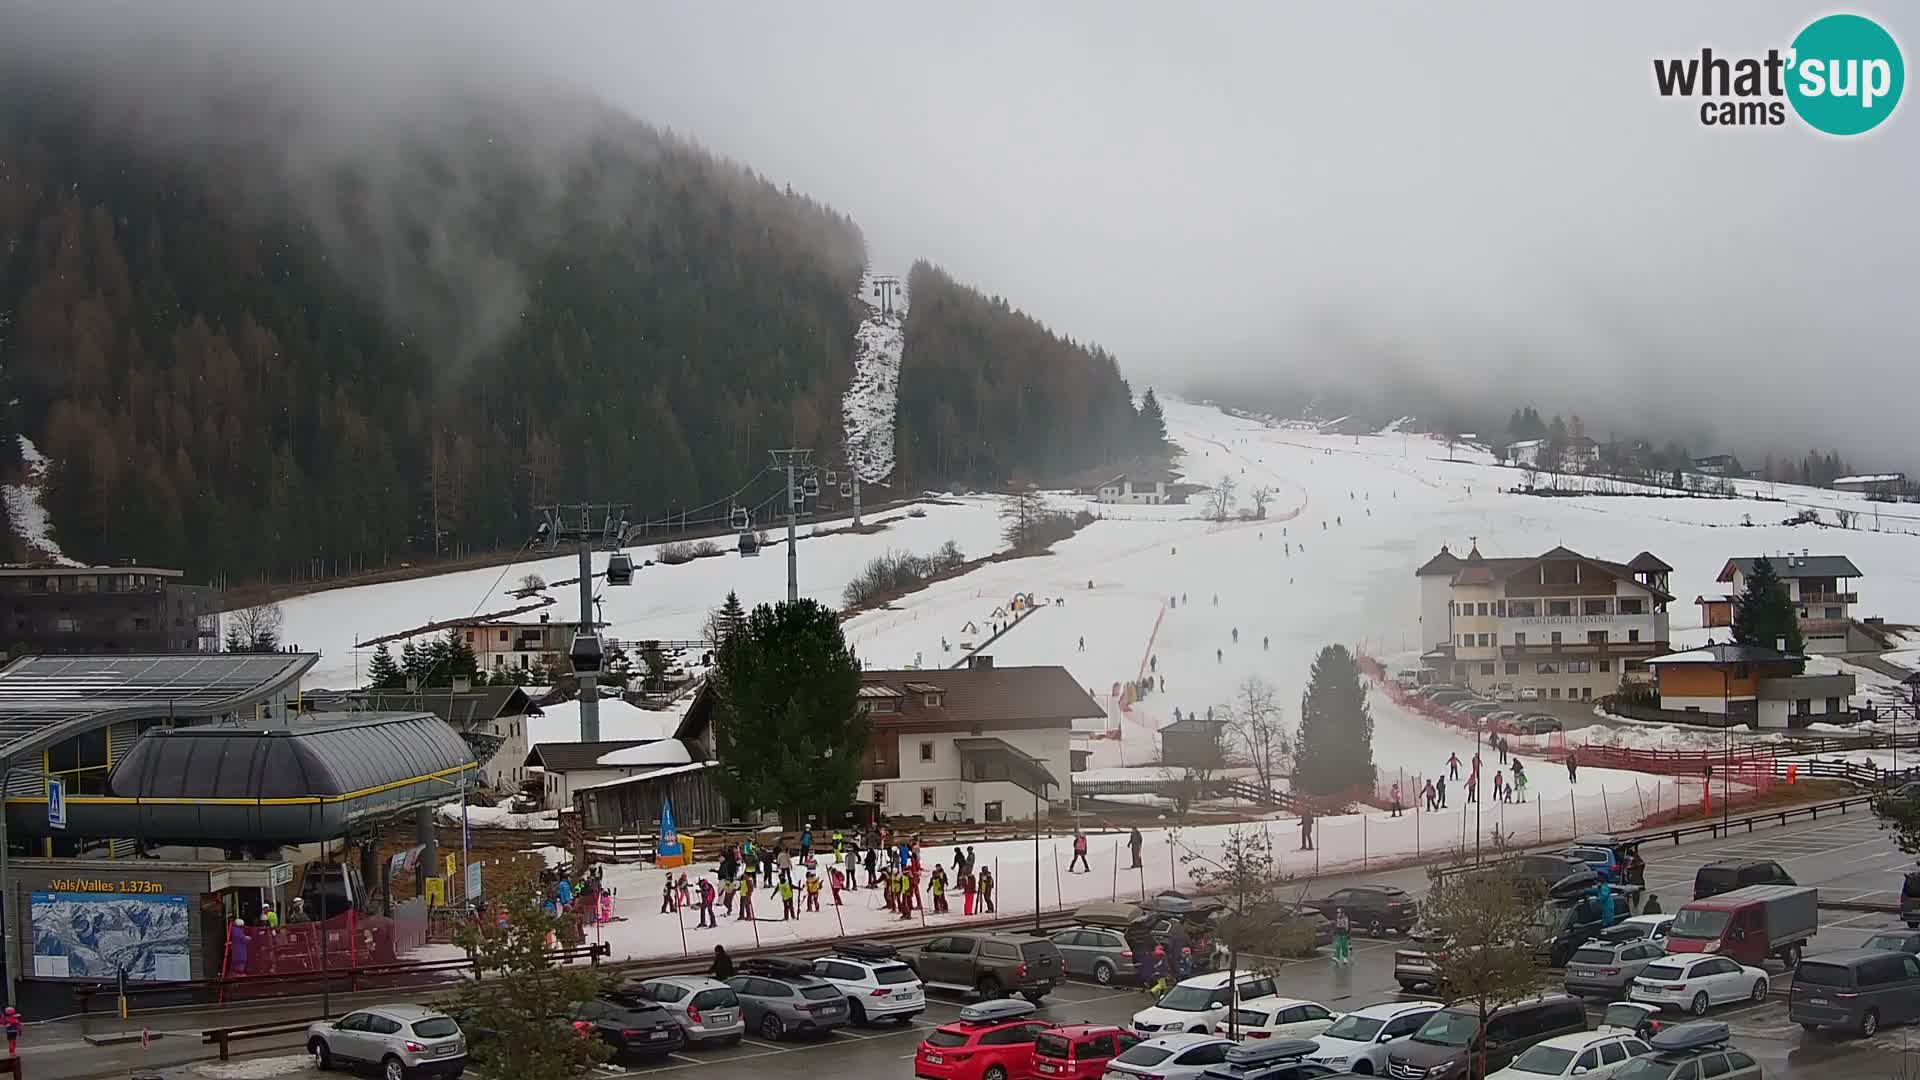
<point>1493,190</point>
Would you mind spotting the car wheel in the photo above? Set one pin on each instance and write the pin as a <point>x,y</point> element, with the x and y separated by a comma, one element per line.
<point>856,1013</point>
<point>1869,1023</point>
<point>1197,1031</point>
<point>392,1068</point>
<point>1363,1067</point>
<point>323,1058</point>
<point>1699,1005</point>
<point>772,1028</point>
<point>1103,973</point>
<point>1759,991</point>
<point>994,1072</point>
<point>988,988</point>
<point>1374,928</point>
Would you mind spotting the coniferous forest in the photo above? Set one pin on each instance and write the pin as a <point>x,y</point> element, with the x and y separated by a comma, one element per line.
<point>240,366</point>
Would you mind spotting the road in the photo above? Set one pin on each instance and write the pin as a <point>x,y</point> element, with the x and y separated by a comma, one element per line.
<point>1848,857</point>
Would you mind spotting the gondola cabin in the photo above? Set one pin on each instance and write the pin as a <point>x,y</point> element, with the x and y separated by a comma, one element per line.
<point>620,569</point>
<point>749,545</point>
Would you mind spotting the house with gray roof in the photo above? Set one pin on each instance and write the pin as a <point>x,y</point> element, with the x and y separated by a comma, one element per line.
<point>1820,587</point>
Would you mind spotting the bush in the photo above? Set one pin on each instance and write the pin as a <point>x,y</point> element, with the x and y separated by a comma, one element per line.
<point>675,553</point>
<point>898,570</point>
<point>705,548</point>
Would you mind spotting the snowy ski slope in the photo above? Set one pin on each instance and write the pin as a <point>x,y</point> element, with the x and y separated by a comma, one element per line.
<point>869,403</point>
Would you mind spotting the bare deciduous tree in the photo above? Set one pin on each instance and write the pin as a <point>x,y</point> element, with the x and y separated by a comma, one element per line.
<point>1220,499</point>
<point>532,583</point>
<point>1261,496</point>
<point>1255,723</point>
<point>254,629</point>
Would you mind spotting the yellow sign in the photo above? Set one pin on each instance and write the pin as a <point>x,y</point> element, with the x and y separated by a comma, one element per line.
<point>453,867</point>
<point>436,891</point>
<point>99,885</point>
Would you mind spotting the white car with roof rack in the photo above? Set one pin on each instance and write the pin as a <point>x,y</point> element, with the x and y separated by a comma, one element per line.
<point>1197,1004</point>
<point>1276,1017</point>
<point>1595,1054</point>
<point>1180,1056</point>
<point>1358,1042</point>
<point>878,985</point>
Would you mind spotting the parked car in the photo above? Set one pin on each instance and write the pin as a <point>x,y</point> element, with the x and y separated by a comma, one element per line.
<point>1531,693</point>
<point>1378,908</point>
<point>1276,1018</point>
<point>707,1010</point>
<point>876,984</point>
<point>1303,928</point>
<point>1856,989</point>
<point>1181,1056</point>
<point>1596,1054</point>
<point>1414,963</point>
<point>990,965</point>
<point>1607,969</point>
<point>1283,1060</point>
<point>1638,928</point>
<point>1197,1004</point>
<point>1906,941</point>
<point>1687,1051</point>
<point>1910,897</point>
<point>400,1040</point>
<point>1602,861</point>
<point>1441,1044</point>
<point>1726,875</point>
<point>1632,1017</point>
<point>1548,874</point>
<point>1750,925</point>
<point>781,996</point>
<point>1480,708</point>
<point>635,1028</point>
<point>992,1040</point>
<point>1697,982</point>
<point>1079,1051</point>
<point>1446,698</point>
<point>1359,1041</point>
<point>1098,953</point>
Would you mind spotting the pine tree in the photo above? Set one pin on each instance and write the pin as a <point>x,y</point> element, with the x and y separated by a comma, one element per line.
<point>413,664</point>
<point>382,672</point>
<point>786,720</point>
<point>1153,423</point>
<point>1334,750</point>
<point>1763,615</point>
<point>460,659</point>
<point>727,619</point>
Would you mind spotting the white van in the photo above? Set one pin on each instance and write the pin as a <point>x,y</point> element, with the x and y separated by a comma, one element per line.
<point>1197,1004</point>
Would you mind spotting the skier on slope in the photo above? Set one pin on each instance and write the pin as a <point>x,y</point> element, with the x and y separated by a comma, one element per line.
<point>1236,635</point>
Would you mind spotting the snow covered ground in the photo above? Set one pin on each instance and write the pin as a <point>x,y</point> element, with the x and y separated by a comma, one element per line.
<point>868,405</point>
<point>26,513</point>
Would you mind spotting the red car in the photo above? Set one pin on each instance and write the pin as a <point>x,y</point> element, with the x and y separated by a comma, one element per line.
<point>1079,1051</point>
<point>992,1041</point>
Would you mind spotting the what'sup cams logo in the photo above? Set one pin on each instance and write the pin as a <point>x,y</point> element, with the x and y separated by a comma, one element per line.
<point>1842,75</point>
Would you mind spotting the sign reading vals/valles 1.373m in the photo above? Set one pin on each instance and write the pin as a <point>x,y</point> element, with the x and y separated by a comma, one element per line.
<point>98,885</point>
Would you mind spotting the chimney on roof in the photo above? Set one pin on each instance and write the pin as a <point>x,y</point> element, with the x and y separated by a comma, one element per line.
<point>462,684</point>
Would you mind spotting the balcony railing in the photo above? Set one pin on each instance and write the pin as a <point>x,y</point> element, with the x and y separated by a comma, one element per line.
<point>1829,598</point>
<point>1584,649</point>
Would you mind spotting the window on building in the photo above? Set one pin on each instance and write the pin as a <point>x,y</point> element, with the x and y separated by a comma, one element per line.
<point>879,754</point>
<point>1483,609</point>
<point>1486,669</point>
<point>1596,637</point>
<point>1546,668</point>
<point>469,637</point>
<point>504,634</point>
<point>1560,572</point>
<point>1606,665</point>
<point>1513,669</point>
<point>1556,637</point>
<point>1593,607</point>
<point>1519,637</point>
<point>1803,707</point>
<point>1554,693</point>
<point>926,751</point>
<point>1559,607</point>
<point>1633,635</point>
<point>1833,704</point>
<point>1831,613</point>
<point>1632,605</point>
<point>1460,671</point>
<point>880,794</point>
<point>1579,667</point>
<point>1466,641</point>
<point>928,795</point>
<point>933,701</point>
<point>1586,693</point>
<point>66,624</point>
<point>1486,640</point>
<point>886,705</point>
<point>140,622</point>
<point>1523,609</point>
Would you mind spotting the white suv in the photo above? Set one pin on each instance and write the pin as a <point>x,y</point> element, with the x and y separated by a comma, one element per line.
<point>402,1041</point>
<point>1198,1003</point>
<point>878,986</point>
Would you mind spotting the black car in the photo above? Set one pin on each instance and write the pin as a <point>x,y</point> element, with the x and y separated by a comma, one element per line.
<point>1441,1045</point>
<point>1730,874</point>
<point>1548,875</point>
<point>637,1028</point>
<point>1374,908</point>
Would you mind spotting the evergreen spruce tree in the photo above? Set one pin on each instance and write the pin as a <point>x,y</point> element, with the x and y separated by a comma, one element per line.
<point>235,640</point>
<point>413,664</point>
<point>1334,750</point>
<point>460,659</point>
<point>728,618</point>
<point>1153,423</point>
<point>786,720</point>
<point>1763,614</point>
<point>383,673</point>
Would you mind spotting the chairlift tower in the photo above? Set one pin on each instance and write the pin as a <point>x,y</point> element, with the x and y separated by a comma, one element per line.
<point>885,288</point>
<point>587,526</point>
<point>799,467</point>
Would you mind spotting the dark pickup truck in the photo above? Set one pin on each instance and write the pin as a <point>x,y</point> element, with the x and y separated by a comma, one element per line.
<point>990,965</point>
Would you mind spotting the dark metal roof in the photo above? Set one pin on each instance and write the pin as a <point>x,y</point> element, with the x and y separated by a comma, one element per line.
<point>1647,561</point>
<point>569,756</point>
<point>486,703</point>
<point>1796,566</point>
<point>356,754</point>
<point>972,699</point>
<point>1444,563</point>
<point>44,699</point>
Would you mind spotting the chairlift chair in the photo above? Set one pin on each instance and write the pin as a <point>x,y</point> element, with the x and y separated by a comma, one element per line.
<point>620,569</point>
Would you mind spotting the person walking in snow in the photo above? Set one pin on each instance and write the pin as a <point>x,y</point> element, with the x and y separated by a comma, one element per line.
<point>813,891</point>
<point>1236,635</point>
<point>1573,768</point>
<point>986,890</point>
<point>1306,830</point>
<point>1453,766</point>
<point>1395,797</point>
<point>1218,656</point>
<point>746,898</point>
<point>1431,797</point>
<point>1440,789</point>
<point>1083,643</point>
<point>666,896</point>
<point>1134,843</point>
<point>786,900</point>
<point>1079,853</point>
<point>1342,937</point>
<point>937,884</point>
<point>1264,642</point>
<point>1216,599</point>
<point>707,921</point>
<point>968,884</point>
<point>1163,684</point>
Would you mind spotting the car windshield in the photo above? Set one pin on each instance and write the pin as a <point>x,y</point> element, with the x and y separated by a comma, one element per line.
<point>1051,1045</point>
<point>1592,956</point>
<point>1696,923</point>
<point>1191,998</point>
<point>1887,942</point>
<point>719,997</point>
<point>1448,1028</point>
<point>1355,1028</point>
<point>942,1038</point>
<point>1812,974</point>
<point>1545,1060</point>
<point>893,975</point>
<point>1144,1055</point>
<point>1645,1067</point>
<point>1657,972</point>
<point>1623,1016</point>
<point>435,1027</point>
